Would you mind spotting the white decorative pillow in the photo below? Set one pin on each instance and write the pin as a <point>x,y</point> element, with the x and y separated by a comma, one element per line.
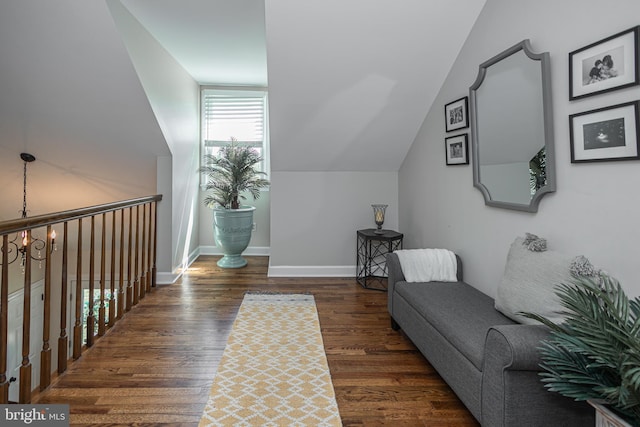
<point>428,265</point>
<point>529,282</point>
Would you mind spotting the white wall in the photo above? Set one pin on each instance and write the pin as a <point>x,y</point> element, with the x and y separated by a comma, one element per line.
<point>174,98</point>
<point>349,85</point>
<point>595,210</point>
<point>315,216</point>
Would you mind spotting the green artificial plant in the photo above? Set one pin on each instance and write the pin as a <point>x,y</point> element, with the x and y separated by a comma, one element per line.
<point>232,171</point>
<point>595,353</point>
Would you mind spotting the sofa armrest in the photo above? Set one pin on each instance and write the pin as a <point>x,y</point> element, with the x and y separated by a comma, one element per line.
<point>511,386</point>
<point>394,275</point>
<point>394,271</point>
<point>514,347</point>
<point>512,390</point>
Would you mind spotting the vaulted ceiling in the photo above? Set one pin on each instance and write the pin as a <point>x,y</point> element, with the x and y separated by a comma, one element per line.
<point>69,95</point>
<point>350,82</point>
<point>220,42</point>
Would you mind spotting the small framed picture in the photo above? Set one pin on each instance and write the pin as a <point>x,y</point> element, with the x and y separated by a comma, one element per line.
<point>456,114</point>
<point>605,134</point>
<point>605,65</point>
<point>457,150</point>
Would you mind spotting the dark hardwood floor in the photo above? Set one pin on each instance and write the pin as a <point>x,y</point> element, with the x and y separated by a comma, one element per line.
<point>156,365</point>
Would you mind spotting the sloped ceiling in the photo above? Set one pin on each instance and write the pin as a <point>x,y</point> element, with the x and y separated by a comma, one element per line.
<point>70,96</point>
<point>219,42</point>
<point>350,82</point>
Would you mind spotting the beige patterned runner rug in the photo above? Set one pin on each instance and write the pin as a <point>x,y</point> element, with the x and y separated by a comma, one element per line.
<point>274,371</point>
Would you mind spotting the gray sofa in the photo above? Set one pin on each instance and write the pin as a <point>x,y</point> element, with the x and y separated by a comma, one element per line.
<point>490,361</point>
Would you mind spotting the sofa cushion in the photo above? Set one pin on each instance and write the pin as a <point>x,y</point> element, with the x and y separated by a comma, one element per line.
<point>461,313</point>
<point>529,281</point>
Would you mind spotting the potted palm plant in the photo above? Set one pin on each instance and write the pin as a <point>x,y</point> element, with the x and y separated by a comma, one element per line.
<point>232,173</point>
<point>595,354</point>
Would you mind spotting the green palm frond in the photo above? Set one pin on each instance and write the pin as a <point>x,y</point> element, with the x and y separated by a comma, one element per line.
<point>595,353</point>
<point>232,172</point>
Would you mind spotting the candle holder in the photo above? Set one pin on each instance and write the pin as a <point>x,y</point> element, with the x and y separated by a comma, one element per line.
<point>378,216</point>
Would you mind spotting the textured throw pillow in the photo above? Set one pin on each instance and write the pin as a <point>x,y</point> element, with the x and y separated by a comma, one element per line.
<point>535,243</point>
<point>529,281</point>
<point>582,267</point>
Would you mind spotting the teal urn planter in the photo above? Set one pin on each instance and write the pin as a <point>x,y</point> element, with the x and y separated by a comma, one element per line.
<point>232,228</point>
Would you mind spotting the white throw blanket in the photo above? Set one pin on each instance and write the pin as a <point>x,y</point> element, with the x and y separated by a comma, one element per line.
<point>428,265</point>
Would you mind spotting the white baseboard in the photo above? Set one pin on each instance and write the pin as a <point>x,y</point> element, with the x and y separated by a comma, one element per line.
<point>167,278</point>
<point>312,271</point>
<point>164,278</point>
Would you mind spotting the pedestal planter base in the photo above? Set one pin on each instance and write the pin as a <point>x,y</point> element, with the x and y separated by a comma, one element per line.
<point>232,261</point>
<point>233,229</point>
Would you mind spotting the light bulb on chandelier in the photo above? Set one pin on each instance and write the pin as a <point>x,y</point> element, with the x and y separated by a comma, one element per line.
<point>24,242</point>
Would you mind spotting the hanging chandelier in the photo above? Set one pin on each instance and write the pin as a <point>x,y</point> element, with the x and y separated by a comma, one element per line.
<point>19,244</point>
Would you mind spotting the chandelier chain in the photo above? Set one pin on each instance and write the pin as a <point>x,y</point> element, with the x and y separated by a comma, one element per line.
<point>24,192</point>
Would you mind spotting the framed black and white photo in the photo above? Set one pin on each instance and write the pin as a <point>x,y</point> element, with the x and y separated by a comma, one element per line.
<point>456,114</point>
<point>605,134</point>
<point>606,65</point>
<point>457,150</point>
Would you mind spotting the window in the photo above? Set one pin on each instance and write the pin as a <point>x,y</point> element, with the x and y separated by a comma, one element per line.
<point>241,114</point>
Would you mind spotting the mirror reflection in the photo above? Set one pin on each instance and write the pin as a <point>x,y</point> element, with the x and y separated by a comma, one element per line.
<point>511,129</point>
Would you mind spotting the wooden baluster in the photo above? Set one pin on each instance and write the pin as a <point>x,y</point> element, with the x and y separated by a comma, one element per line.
<point>143,279</point>
<point>63,340</point>
<point>146,238</point>
<point>101,310</point>
<point>121,265</point>
<point>129,257</point>
<point>136,283</point>
<point>155,243</point>
<point>45,354</point>
<point>25,368</point>
<point>112,274</point>
<point>150,234</point>
<point>4,319</point>
<point>92,252</point>
<point>77,328</point>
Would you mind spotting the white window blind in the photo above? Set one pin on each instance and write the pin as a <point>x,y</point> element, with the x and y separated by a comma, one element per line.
<point>237,114</point>
<point>226,117</point>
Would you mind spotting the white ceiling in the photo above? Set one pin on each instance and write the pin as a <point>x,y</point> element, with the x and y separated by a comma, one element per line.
<point>217,41</point>
<point>350,81</point>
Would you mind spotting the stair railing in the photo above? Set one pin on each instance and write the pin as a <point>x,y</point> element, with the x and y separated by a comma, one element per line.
<point>131,258</point>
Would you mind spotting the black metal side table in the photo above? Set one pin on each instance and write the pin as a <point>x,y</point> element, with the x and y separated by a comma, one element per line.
<point>371,262</point>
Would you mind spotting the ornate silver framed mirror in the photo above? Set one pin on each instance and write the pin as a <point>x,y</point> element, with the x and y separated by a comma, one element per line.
<point>512,129</point>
